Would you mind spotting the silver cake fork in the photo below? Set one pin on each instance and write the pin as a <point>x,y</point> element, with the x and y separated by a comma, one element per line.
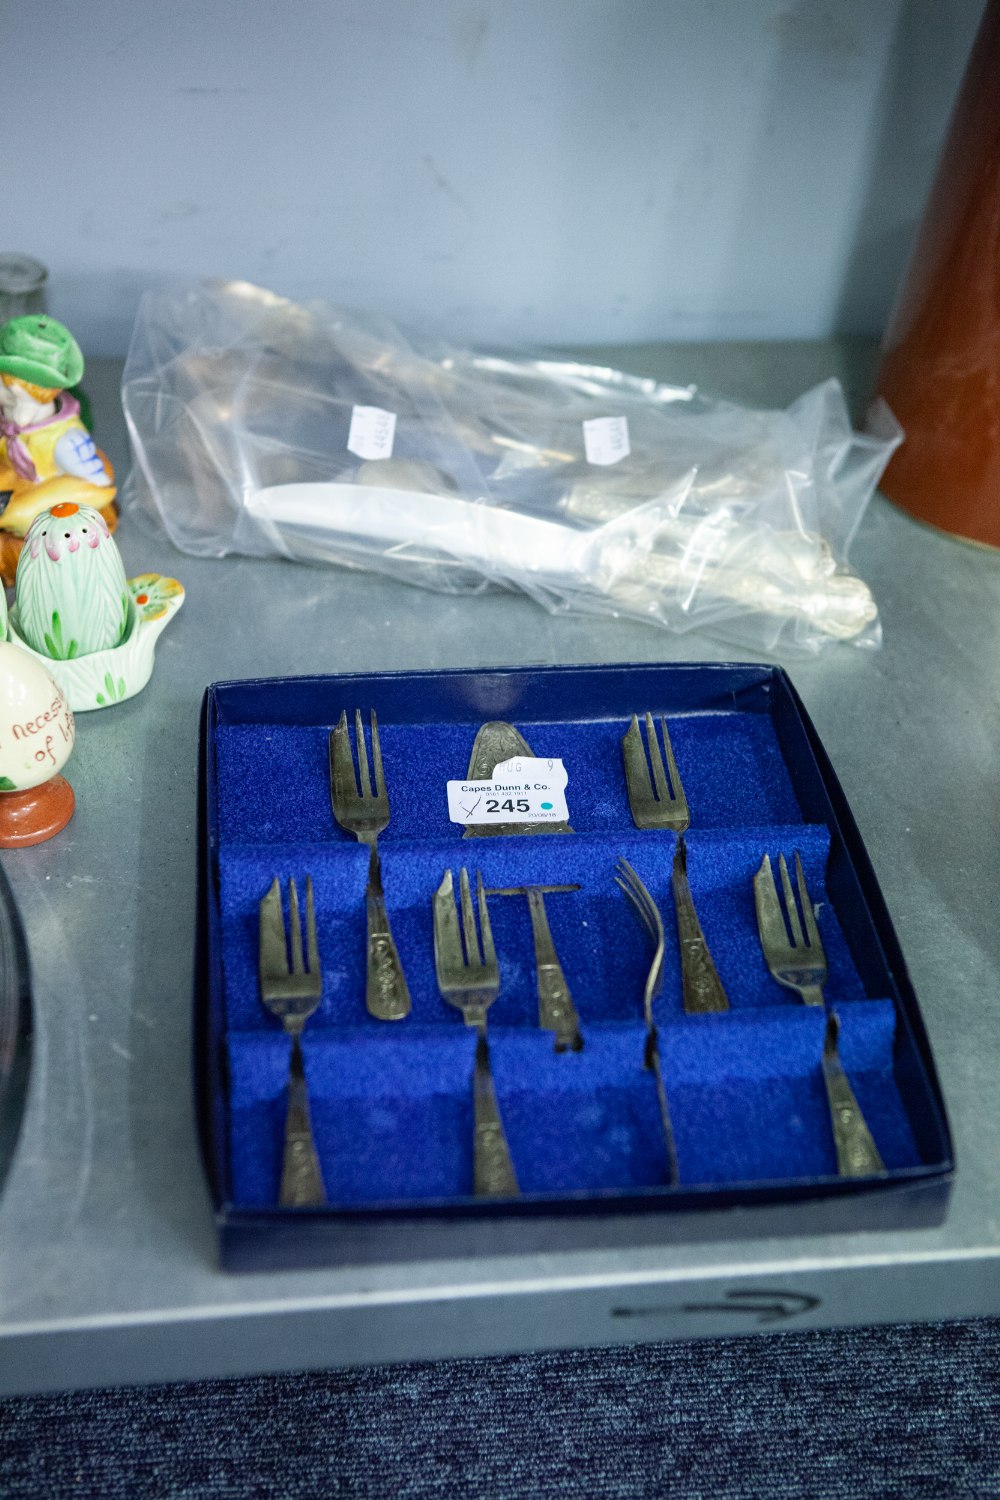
<point>658,802</point>
<point>649,915</point>
<point>291,990</point>
<point>469,978</point>
<point>795,956</point>
<point>365,813</point>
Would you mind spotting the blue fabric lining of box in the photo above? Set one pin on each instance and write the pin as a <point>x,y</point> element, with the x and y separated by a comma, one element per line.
<point>392,1103</point>
<point>732,769</point>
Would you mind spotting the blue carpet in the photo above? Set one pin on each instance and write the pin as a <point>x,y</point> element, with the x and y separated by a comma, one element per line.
<point>903,1412</point>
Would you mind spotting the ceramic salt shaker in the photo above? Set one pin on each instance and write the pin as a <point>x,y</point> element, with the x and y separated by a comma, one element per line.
<point>71,592</point>
<point>36,737</point>
<point>75,611</point>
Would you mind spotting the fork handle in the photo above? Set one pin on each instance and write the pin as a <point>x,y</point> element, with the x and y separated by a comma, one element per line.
<point>857,1153</point>
<point>492,1169</point>
<point>812,994</point>
<point>700,982</point>
<point>301,1179</point>
<point>556,1011</point>
<point>386,993</point>
<point>652,1063</point>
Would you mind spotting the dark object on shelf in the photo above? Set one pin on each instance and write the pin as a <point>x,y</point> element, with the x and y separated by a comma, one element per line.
<point>22,285</point>
<point>942,349</point>
<point>15,1024</point>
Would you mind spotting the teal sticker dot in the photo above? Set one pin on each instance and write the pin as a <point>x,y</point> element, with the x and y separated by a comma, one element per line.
<point>546,807</point>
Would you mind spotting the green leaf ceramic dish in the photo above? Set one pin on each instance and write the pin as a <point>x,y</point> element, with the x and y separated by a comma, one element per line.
<point>100,679</point>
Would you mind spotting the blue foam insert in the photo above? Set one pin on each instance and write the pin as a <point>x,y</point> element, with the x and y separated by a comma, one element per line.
<point>392,1104</point>
<point>733,774</point>
<point>603,947</point>
<point>392,1107</point>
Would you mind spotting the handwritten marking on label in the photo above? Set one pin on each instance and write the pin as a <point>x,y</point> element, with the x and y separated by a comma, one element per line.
<point>373,432</point>
<point>605,440</point>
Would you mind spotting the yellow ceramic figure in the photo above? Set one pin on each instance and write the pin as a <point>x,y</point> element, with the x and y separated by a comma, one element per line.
<point>47,456</point>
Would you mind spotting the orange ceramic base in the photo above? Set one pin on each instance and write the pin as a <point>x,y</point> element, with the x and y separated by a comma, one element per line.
<point>38,814</point>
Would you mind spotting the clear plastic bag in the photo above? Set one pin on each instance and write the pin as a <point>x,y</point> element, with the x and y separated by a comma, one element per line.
<point>264,427</point>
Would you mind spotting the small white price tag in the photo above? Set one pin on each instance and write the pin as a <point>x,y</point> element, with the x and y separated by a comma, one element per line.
<point>523,790</point>
<point>373,432</point>
<point>605,440</point>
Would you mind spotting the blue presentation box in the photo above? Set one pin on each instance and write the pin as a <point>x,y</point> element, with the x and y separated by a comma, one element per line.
<point>391,1102</point>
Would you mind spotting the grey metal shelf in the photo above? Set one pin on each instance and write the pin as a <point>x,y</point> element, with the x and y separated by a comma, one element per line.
<point>107,1256</point>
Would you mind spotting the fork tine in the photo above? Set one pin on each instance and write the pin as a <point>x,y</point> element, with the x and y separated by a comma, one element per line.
<point>639,907</point>
<point>640,898</point>
<point>312,944</point>
<point>808,911</point>
<point>656,760</point>
<point>341,761</point>
<point>636,768</point>
<point>647,905</point>
<point>489,951</point>
<point>629,882</point>
<point>791,910</point>
<point>273,952</point>
<point>624,879</point>
<point>624,884</point>
<point>447,937</point>
<point>472,954</point>
<point>295,929</point>
<point>377,759</point>
<point>771,923</point>
<point>359,731</point>
<point>675,775</point>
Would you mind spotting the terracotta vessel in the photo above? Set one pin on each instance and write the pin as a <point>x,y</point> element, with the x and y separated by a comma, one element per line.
<point>940,371</point>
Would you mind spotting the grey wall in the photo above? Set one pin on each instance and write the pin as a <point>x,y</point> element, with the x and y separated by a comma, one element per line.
<point>556,170</point>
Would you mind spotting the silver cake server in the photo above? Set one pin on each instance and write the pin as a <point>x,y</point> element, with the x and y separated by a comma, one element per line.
<point>495,743</point>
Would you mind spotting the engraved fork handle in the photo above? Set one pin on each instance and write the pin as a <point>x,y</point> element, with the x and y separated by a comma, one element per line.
<point>700,982</point>
<point>492,1169</point>
<point>556,1011</point>
<point>386,993</point>
<point>301,1179</point>
<point>857,1154</point>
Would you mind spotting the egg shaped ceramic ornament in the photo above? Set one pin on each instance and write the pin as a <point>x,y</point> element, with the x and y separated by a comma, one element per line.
<point>37,732</point>
<point>70,588</point>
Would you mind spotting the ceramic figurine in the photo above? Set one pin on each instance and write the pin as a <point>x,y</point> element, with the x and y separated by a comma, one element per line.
<point>76,612</point>
<point>36,737</point>
<point>47,456</point>
<point>70,586</point>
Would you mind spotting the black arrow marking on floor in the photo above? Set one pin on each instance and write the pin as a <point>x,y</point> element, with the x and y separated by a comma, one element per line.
<point>769,1306</point>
